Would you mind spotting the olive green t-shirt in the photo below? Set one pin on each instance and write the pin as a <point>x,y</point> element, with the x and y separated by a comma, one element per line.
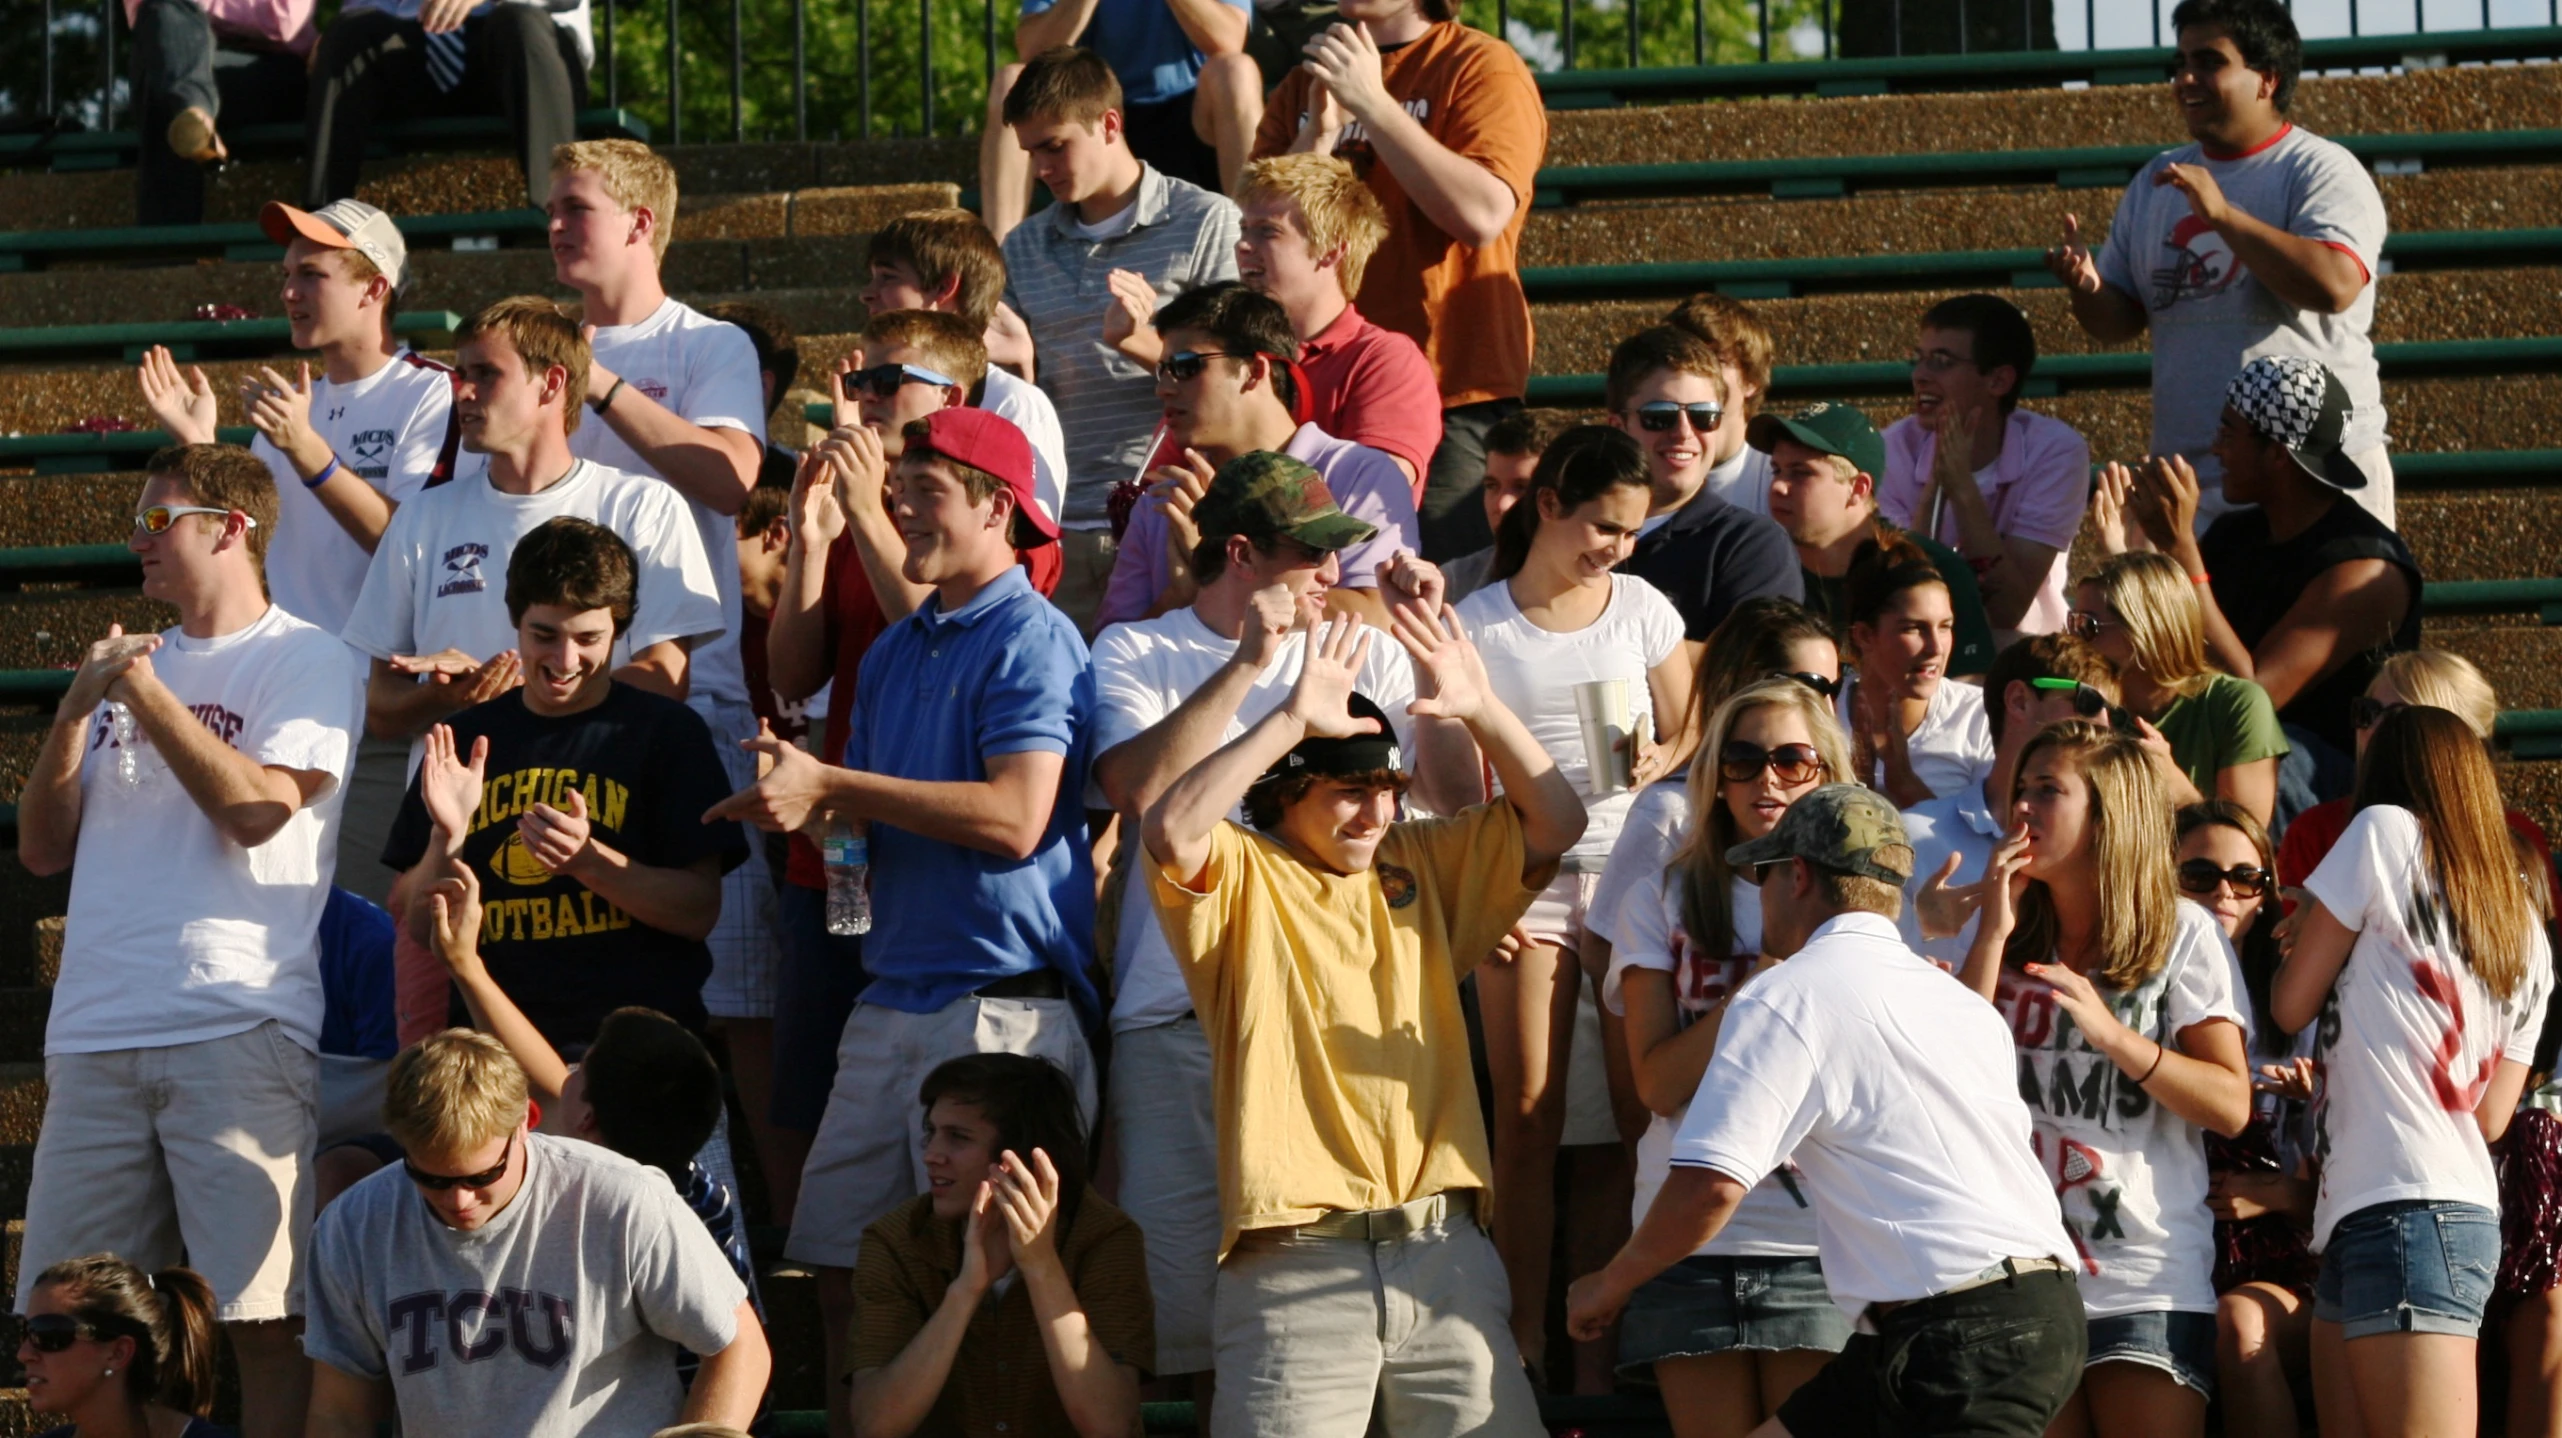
<point>2227,722</point>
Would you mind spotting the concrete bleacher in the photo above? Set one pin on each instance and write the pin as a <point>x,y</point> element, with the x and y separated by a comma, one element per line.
<point>1839,215</point>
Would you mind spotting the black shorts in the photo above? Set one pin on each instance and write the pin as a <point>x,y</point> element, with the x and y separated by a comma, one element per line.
<point>1988,1362</point>
<point>1161,133</point>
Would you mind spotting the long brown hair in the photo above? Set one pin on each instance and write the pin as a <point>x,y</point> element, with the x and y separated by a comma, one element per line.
<point>1751,644</point>
<point>2255,946</point>
<point>2430,762</point>
<point>1707,880</point>
<point>2132,845</point>
<point>169,1315</point>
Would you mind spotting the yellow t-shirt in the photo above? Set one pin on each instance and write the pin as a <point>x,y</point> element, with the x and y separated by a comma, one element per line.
<point>1331,1003</point>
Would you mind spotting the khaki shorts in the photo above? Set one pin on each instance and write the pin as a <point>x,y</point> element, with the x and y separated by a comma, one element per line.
<point>869,1155</point>
<point>747,940</point>
<point>1313,1330</point>
<point>196,1153</point>
<point>1165,1121</point>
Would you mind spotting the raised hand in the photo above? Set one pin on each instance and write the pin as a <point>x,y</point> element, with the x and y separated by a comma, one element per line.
<point>846,412</point>
<point>2071,261</point>
<point>2205,197</point>
<point>281,408</point>
<point>2108,507</point>
<point>1345,63</point>
<point>1943,907</point>
<point>1271,614</point>
<point>1409,575</point>
<point>2164,500</point>
<point>454,916</point>
<point>448,785</point>
<point>1028,1196</point>
<point>785,796</point>
<point>1128,316</point>
<point>1327,678</point>
<point>1441,649</point>
<point>558,839</point>
<point>2004,884</point>
<point>102,668</point>
<point>857,472</point>
<point>817,519</point>
<point>1174,489</point>
<point>184,406</point>
<point>987,1250</point>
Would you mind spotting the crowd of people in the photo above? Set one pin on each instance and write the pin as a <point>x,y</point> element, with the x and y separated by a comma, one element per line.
<point>1222,856</point>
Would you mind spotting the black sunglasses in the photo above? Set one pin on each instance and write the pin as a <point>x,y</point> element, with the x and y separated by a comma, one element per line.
<point>1829,688</point>
<point>2366,711</point>
<point>1742,761</point>
<point>2083,625</point>
<point>446,1182</point>
<point>2200,876</point>
<point>1183,366</point>
<point>1658,415</point>
<point>882,381</point>
<point>2089,703</point>
<point>54,1332</point>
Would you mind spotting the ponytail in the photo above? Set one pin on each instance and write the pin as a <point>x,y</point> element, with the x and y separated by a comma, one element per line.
<point>1582,464</point>
<point>187,1366</point>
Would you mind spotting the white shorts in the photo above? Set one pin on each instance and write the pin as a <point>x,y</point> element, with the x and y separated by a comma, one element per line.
<point>200,1152</point>
<point>1556,917</point>
<point>746,942</point>
<point>1165,1122</point>
<point>869,1155</point>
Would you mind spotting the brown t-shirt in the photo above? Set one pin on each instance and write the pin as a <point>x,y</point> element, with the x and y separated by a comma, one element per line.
<point>1473,94</point>
<point>1000,1380</point>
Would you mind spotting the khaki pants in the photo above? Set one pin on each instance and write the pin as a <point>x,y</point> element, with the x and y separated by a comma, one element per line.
<point>1166,1124</point>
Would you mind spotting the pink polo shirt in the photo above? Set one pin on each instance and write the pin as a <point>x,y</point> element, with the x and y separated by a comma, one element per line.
<point>2037,489</point>
<point>1373,386</point>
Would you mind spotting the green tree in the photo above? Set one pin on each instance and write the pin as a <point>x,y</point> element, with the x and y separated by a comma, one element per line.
<point>846,98</point>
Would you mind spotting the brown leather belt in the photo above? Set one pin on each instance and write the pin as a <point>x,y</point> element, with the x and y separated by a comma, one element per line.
<point>2008,1268</point>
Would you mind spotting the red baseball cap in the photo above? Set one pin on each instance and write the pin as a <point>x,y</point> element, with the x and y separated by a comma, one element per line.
<point>990,442</point>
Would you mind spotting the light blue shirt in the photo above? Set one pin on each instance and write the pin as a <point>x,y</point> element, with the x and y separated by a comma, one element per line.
<point>1961,824</point>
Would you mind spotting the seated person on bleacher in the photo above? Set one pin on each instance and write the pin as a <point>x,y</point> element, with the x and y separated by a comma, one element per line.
<point>194,63</point>
<point>1009,1297</point>
<point>581,799</point>
<point>383,61</point>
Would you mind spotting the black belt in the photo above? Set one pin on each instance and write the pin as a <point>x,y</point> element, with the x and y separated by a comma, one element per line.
<point>1038,984</point>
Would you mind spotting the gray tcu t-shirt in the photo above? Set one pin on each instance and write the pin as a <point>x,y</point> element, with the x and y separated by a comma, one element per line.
<point>2209,315</point>
<point>561,1317</point>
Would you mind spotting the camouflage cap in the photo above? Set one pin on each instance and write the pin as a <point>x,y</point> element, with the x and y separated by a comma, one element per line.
<point>1266,495</point>
<point>1826,428</point>
<point>1846,827</point>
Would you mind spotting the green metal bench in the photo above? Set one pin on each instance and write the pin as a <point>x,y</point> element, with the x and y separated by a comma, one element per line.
<point>116,149</point>
<point>37,249</point>
<point>97,453</point>
<point>197,339</point>
<point>2540,597</point>
<point>2014,70</point>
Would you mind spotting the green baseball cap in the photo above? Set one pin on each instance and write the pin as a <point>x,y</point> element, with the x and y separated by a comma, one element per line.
<point>1267,495</point>
<point>1846,827</point>
<point>1827,428</point>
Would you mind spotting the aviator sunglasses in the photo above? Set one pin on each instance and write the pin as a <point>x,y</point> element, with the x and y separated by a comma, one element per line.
<point>1742,761</point>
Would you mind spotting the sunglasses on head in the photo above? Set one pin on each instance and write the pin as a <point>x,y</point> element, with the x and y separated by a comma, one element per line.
<point>1659,415</point>
<point>54,1332</point>
<point>1829,688</point>
<point>447,1182</point>
<point>882,381</point>
<point>2366,711</point>
<point>156,519</point>
<point>1742,761</point>
<point>2200,876</point>
<point>1184,366</point>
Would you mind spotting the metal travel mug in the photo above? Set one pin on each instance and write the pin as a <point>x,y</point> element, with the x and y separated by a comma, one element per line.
<point>1601,708</point>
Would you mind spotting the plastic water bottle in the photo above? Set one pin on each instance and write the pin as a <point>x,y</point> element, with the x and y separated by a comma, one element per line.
<point>849,879</point>
<point>128,761</point>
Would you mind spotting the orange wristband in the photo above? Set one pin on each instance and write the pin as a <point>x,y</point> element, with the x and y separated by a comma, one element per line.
<point>2200,579</point>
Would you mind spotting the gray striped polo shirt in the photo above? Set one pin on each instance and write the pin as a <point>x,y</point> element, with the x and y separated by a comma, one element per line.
<point>1184,236</point>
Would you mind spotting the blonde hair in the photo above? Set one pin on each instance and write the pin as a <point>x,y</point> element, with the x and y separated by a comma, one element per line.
<point>634,174</point>
<point>2444,680</point>
<point>2152,596</point>
<point>1334,207</point>
<point>2133,846</point>
<point>457,1091</point>
<point>1707,880</point>
<point>542,337</point>
<point>947,342</point>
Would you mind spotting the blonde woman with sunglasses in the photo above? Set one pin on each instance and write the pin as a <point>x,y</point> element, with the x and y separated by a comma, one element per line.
<point>2213,736</point>
<point>1732,1330</point>
<point>2122,1001</point>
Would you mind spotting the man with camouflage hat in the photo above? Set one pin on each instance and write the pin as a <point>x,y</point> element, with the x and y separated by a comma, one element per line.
<point>1167,691</point>
<point>1323,950</point>
<point>1858,1062</point>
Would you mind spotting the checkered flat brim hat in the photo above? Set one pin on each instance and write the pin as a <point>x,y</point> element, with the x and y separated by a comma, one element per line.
<point>2300,404</point>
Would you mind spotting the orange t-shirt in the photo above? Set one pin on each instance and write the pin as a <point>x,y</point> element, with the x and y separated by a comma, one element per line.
<point>1465,306</point>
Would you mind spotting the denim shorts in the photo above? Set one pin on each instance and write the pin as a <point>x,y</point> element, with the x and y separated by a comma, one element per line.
<point>2180,1344</point>
<point>1705,1305</point>
<point>2417,1266</point>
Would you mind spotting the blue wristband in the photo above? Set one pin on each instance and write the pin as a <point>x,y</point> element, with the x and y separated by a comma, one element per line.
<point>317,480</point>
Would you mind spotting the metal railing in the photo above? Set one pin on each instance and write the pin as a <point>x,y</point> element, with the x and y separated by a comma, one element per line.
<point>788,61</point>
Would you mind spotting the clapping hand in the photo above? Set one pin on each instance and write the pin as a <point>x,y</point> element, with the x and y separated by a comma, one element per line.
<point>1174,489</point>
<point>449,786</point>
<point>987,1250</point>
<point>479,681</point>
<point>2164,501</point>
<point>280,409</point>
<point>1028,1196</point>
<point>184,406</point>
<point>103,668</point>
<point>559,839</point>
<point>2108,507</point>
<point>857,471</point>
<point>2205,197</point>
<point>787,793</point>
<point>845,411</point>
<point>2071,261</point>
<point>1345,63</point>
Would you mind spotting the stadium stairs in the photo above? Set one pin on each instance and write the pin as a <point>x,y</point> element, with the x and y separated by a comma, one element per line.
<point>1839,210</point>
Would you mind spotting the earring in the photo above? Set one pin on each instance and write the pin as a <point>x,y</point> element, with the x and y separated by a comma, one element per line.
<point>110,1373</point>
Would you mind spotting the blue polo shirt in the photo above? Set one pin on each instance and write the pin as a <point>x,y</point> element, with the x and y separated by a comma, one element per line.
<point>937,697</point>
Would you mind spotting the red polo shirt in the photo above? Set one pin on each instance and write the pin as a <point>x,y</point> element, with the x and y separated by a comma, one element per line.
<point>1373,386</point>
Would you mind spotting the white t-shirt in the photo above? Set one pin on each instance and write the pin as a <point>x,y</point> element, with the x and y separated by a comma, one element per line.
<point>2130,1173</point>
<point>1961,824</point>
<point>1951,750</point>
<point>1029,407</point>
<point>1894,1090</point>
<point>1648,838</point>
<point>2410,1035</point>
<point>1775,1219</point>
<point>704,371</point>
<point>175,934</point>
<point>1142,672</point>
<point>1743,481</point>
<point>2210,315</point>
<point>389,429</point>
<point>439,577</point>
<point>1535,671</point>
